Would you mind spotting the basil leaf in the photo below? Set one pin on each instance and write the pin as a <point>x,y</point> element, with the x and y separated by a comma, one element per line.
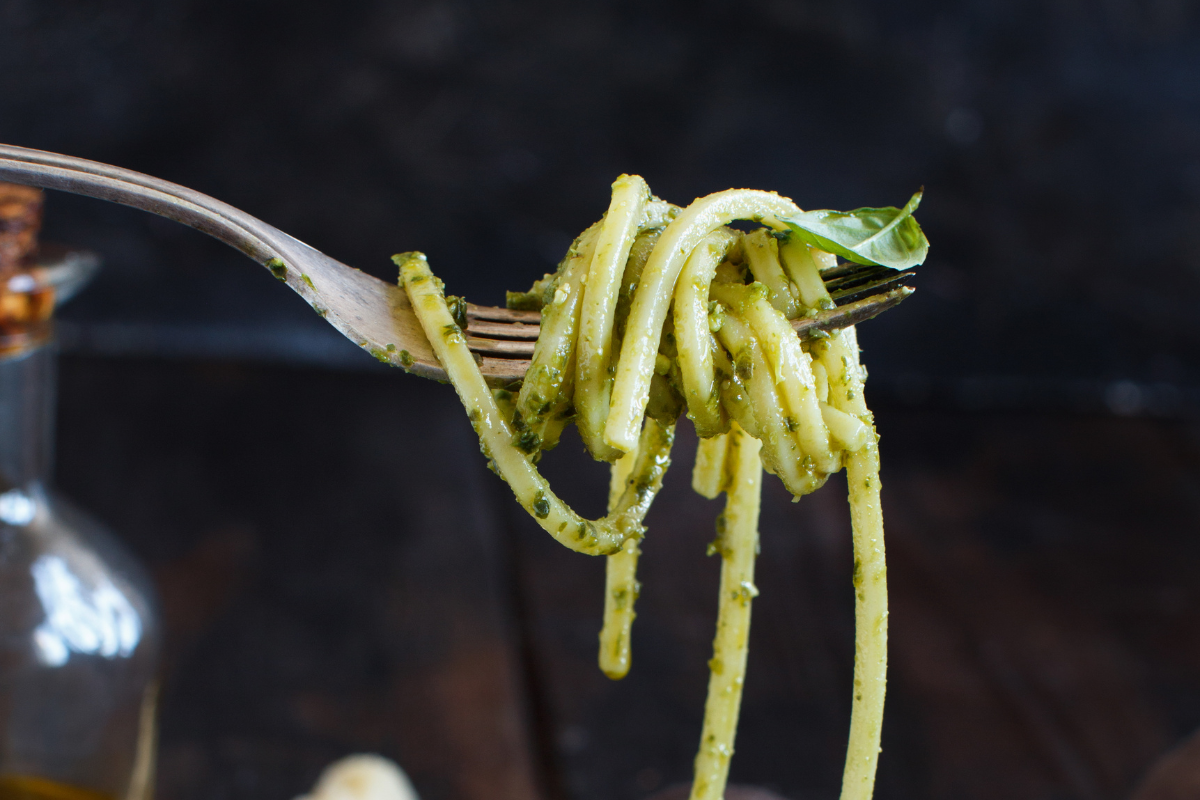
<point>889,237</point>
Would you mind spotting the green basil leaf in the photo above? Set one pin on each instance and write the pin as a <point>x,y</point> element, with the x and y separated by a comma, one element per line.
<point>889,237</point>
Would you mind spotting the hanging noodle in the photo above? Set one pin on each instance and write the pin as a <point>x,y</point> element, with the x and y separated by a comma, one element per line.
<point>656,311</point>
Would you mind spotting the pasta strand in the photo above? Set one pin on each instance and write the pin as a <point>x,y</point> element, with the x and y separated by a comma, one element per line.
<point>593,537</point>
<point>847,405</point>
<point>709,475</point>
<point>631,389</point>
<point>780,452</point>
<point>651,313</point>
<point>841,358</point>
<point>870,624</point>
<point>549,377</point>
<point>593,383</point>
<point>737,542</point>
<point>694,336</point>
<point>762,254</point>
<point>621,586</point>
<point>791,369</point>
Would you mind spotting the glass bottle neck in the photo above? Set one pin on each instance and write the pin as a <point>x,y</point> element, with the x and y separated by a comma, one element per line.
<point>26,417</point>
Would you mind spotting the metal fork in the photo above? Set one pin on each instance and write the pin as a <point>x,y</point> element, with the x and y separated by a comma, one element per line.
<point>374,314</point>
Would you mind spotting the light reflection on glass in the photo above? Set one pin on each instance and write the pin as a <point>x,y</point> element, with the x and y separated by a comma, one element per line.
<point>97,620</point>
<point>17,508</point>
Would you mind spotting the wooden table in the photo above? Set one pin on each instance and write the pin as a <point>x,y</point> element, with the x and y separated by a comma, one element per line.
<point>339,573</point>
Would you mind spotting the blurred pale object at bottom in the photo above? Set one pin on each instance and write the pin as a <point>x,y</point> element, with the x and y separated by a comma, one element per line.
<point>363,777</point>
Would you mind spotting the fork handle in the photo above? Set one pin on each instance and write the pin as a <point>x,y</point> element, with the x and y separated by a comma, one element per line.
<point>235,227</point>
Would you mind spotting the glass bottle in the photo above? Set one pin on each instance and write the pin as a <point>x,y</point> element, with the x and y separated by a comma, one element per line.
<point>79,635</point>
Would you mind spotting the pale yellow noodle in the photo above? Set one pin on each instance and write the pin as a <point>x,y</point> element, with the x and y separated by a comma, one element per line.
<point>737,543</point>
<point>621,586</point>
<point>693,332</point>
<point>594,537</point>
<point>803,264</point>
<point>797,411</point>
<point>791,369</point>
<point>762,255</point>
<point>780,451</point>
<point>839,357</point>
<point>653,297</point>
<point>553,365</point>
<point>709,473</point>
<point>593,383</point>
<point>870,623</point>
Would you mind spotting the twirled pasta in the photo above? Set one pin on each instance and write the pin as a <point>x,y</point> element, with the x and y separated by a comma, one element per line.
<point>656,310</point>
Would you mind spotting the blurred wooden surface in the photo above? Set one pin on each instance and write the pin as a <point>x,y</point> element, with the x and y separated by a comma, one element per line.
<point>340,573</point>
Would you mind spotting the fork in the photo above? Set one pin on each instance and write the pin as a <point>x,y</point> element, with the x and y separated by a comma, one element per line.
<point>374,314</point>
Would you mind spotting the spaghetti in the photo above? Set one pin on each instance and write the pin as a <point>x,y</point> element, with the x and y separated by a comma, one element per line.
<point>656,311</point>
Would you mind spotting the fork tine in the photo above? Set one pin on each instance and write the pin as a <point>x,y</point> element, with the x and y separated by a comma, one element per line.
<point>876,284</point>
<point>859,292</point>
<point>501,347</point>
<point>502,330</point>
<point>495,314</point>
<point>850,313</point>
<point>502,371</point>
<point>496,352</point>
<point>843,269</point>
<point>863,275</point>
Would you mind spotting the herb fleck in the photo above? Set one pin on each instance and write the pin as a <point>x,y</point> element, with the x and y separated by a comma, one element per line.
<point>541,506</point>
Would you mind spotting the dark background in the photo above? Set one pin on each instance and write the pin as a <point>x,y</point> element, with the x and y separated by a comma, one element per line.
<point>1036,395</point>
